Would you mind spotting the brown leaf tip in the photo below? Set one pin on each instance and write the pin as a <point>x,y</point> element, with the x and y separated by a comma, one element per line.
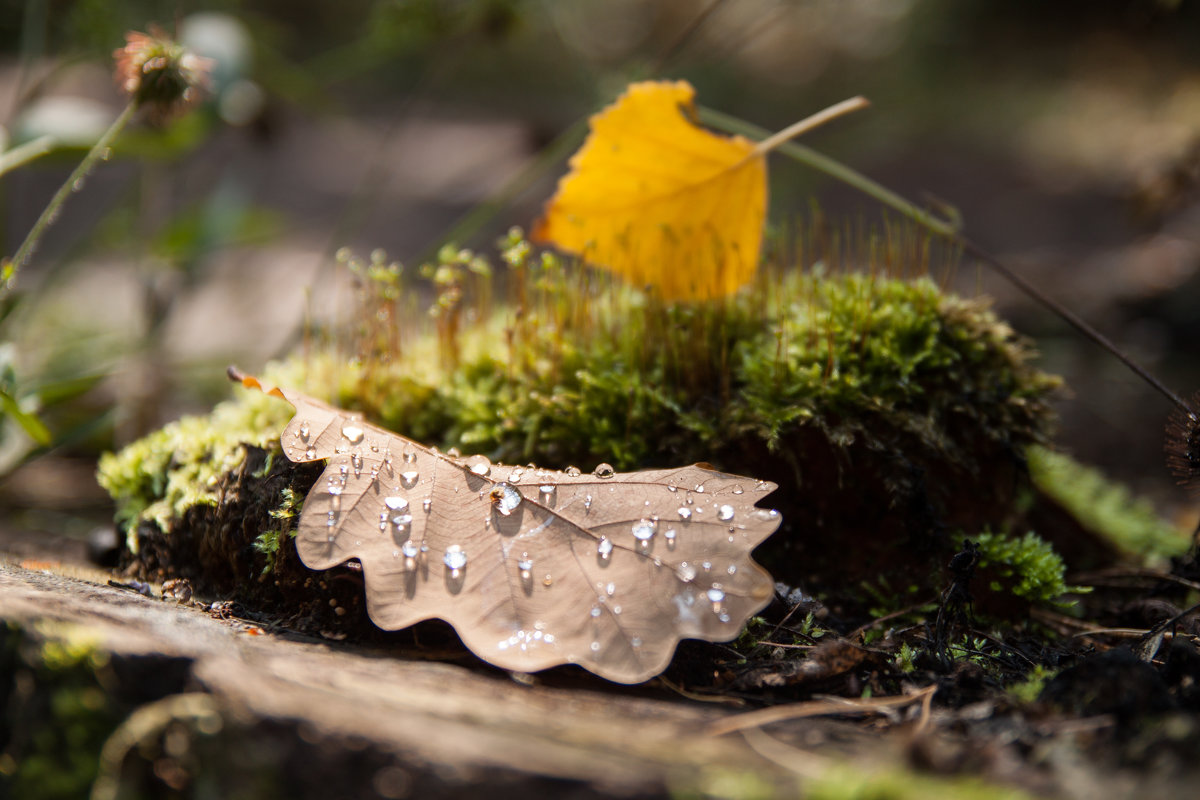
<point>250,382</point>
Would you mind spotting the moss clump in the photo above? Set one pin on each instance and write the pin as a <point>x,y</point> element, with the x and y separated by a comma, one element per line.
<point>1025,567</point>
<point>888,411</point>
<point>160,477</point>
<point>1105,508</point>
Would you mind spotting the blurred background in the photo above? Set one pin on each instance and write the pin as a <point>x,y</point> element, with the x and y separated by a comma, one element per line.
<point>1065,134</point>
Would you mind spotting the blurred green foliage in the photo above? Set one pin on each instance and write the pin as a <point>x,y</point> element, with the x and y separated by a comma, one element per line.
<point>55,714</point>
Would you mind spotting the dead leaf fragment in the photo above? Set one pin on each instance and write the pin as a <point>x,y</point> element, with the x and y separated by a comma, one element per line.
<point>661,201</point>
<point>532,567</point>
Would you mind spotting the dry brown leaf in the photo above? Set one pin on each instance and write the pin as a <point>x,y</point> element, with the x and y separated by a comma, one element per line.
<point>532,567</point>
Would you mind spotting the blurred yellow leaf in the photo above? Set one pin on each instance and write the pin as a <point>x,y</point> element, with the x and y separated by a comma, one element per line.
<point>661,201</point>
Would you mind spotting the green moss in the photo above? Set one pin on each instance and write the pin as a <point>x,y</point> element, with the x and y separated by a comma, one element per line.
<point>159,477</point>
<point>727,784</point>
<point>1105,508</point>
<point>847,782</point>
<point>1027,690</point>
<point>1026,567</point>
<point>914,398</point>
<point>285,513</point>
<point>847,355</point>
<point>905,659</point>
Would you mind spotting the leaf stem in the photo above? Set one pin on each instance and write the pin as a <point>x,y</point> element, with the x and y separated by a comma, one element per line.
<point>10,268</point>
<point>834,169</point>
<point>809,123</point>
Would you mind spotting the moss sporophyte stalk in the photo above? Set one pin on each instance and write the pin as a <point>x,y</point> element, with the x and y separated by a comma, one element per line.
<point>893,415</point>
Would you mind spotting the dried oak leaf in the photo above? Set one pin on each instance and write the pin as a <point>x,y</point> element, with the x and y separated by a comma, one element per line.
<point>532,567</point>
<point>661,201</point>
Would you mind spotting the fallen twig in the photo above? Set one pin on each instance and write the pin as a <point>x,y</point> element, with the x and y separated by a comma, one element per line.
<point>817,708</point>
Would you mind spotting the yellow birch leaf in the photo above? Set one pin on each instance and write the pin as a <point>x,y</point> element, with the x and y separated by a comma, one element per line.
<point>661,201</point>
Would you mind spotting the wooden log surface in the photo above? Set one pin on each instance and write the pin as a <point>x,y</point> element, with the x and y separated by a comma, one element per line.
<point>615,741</point>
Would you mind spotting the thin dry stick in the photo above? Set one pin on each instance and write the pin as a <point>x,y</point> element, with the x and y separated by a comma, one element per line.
<point>879,620</point>
<point>926,713</point>
<point>815,708</point>
<point>1122,633</point>
<point>1100,577</point>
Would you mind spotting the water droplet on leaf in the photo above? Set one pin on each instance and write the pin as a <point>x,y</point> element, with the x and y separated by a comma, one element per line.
<point>454,558</point>
<point>352,432</point>
<point>505,498</point>
<point>644,529</point>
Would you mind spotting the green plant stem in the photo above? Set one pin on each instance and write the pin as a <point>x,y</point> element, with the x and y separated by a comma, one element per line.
<point>51,211</point>
<point>34,427</point>
<point>19,156</point>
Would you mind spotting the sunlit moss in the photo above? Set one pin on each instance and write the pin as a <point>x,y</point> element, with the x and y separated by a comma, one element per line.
<point>157,478</point>
<point>1026,567</point>
<point>1105,508</point>
<point>816,381</point>
<point>285,514</point>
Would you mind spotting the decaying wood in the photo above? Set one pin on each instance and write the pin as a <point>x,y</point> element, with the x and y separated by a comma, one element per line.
<point>439,714</point>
